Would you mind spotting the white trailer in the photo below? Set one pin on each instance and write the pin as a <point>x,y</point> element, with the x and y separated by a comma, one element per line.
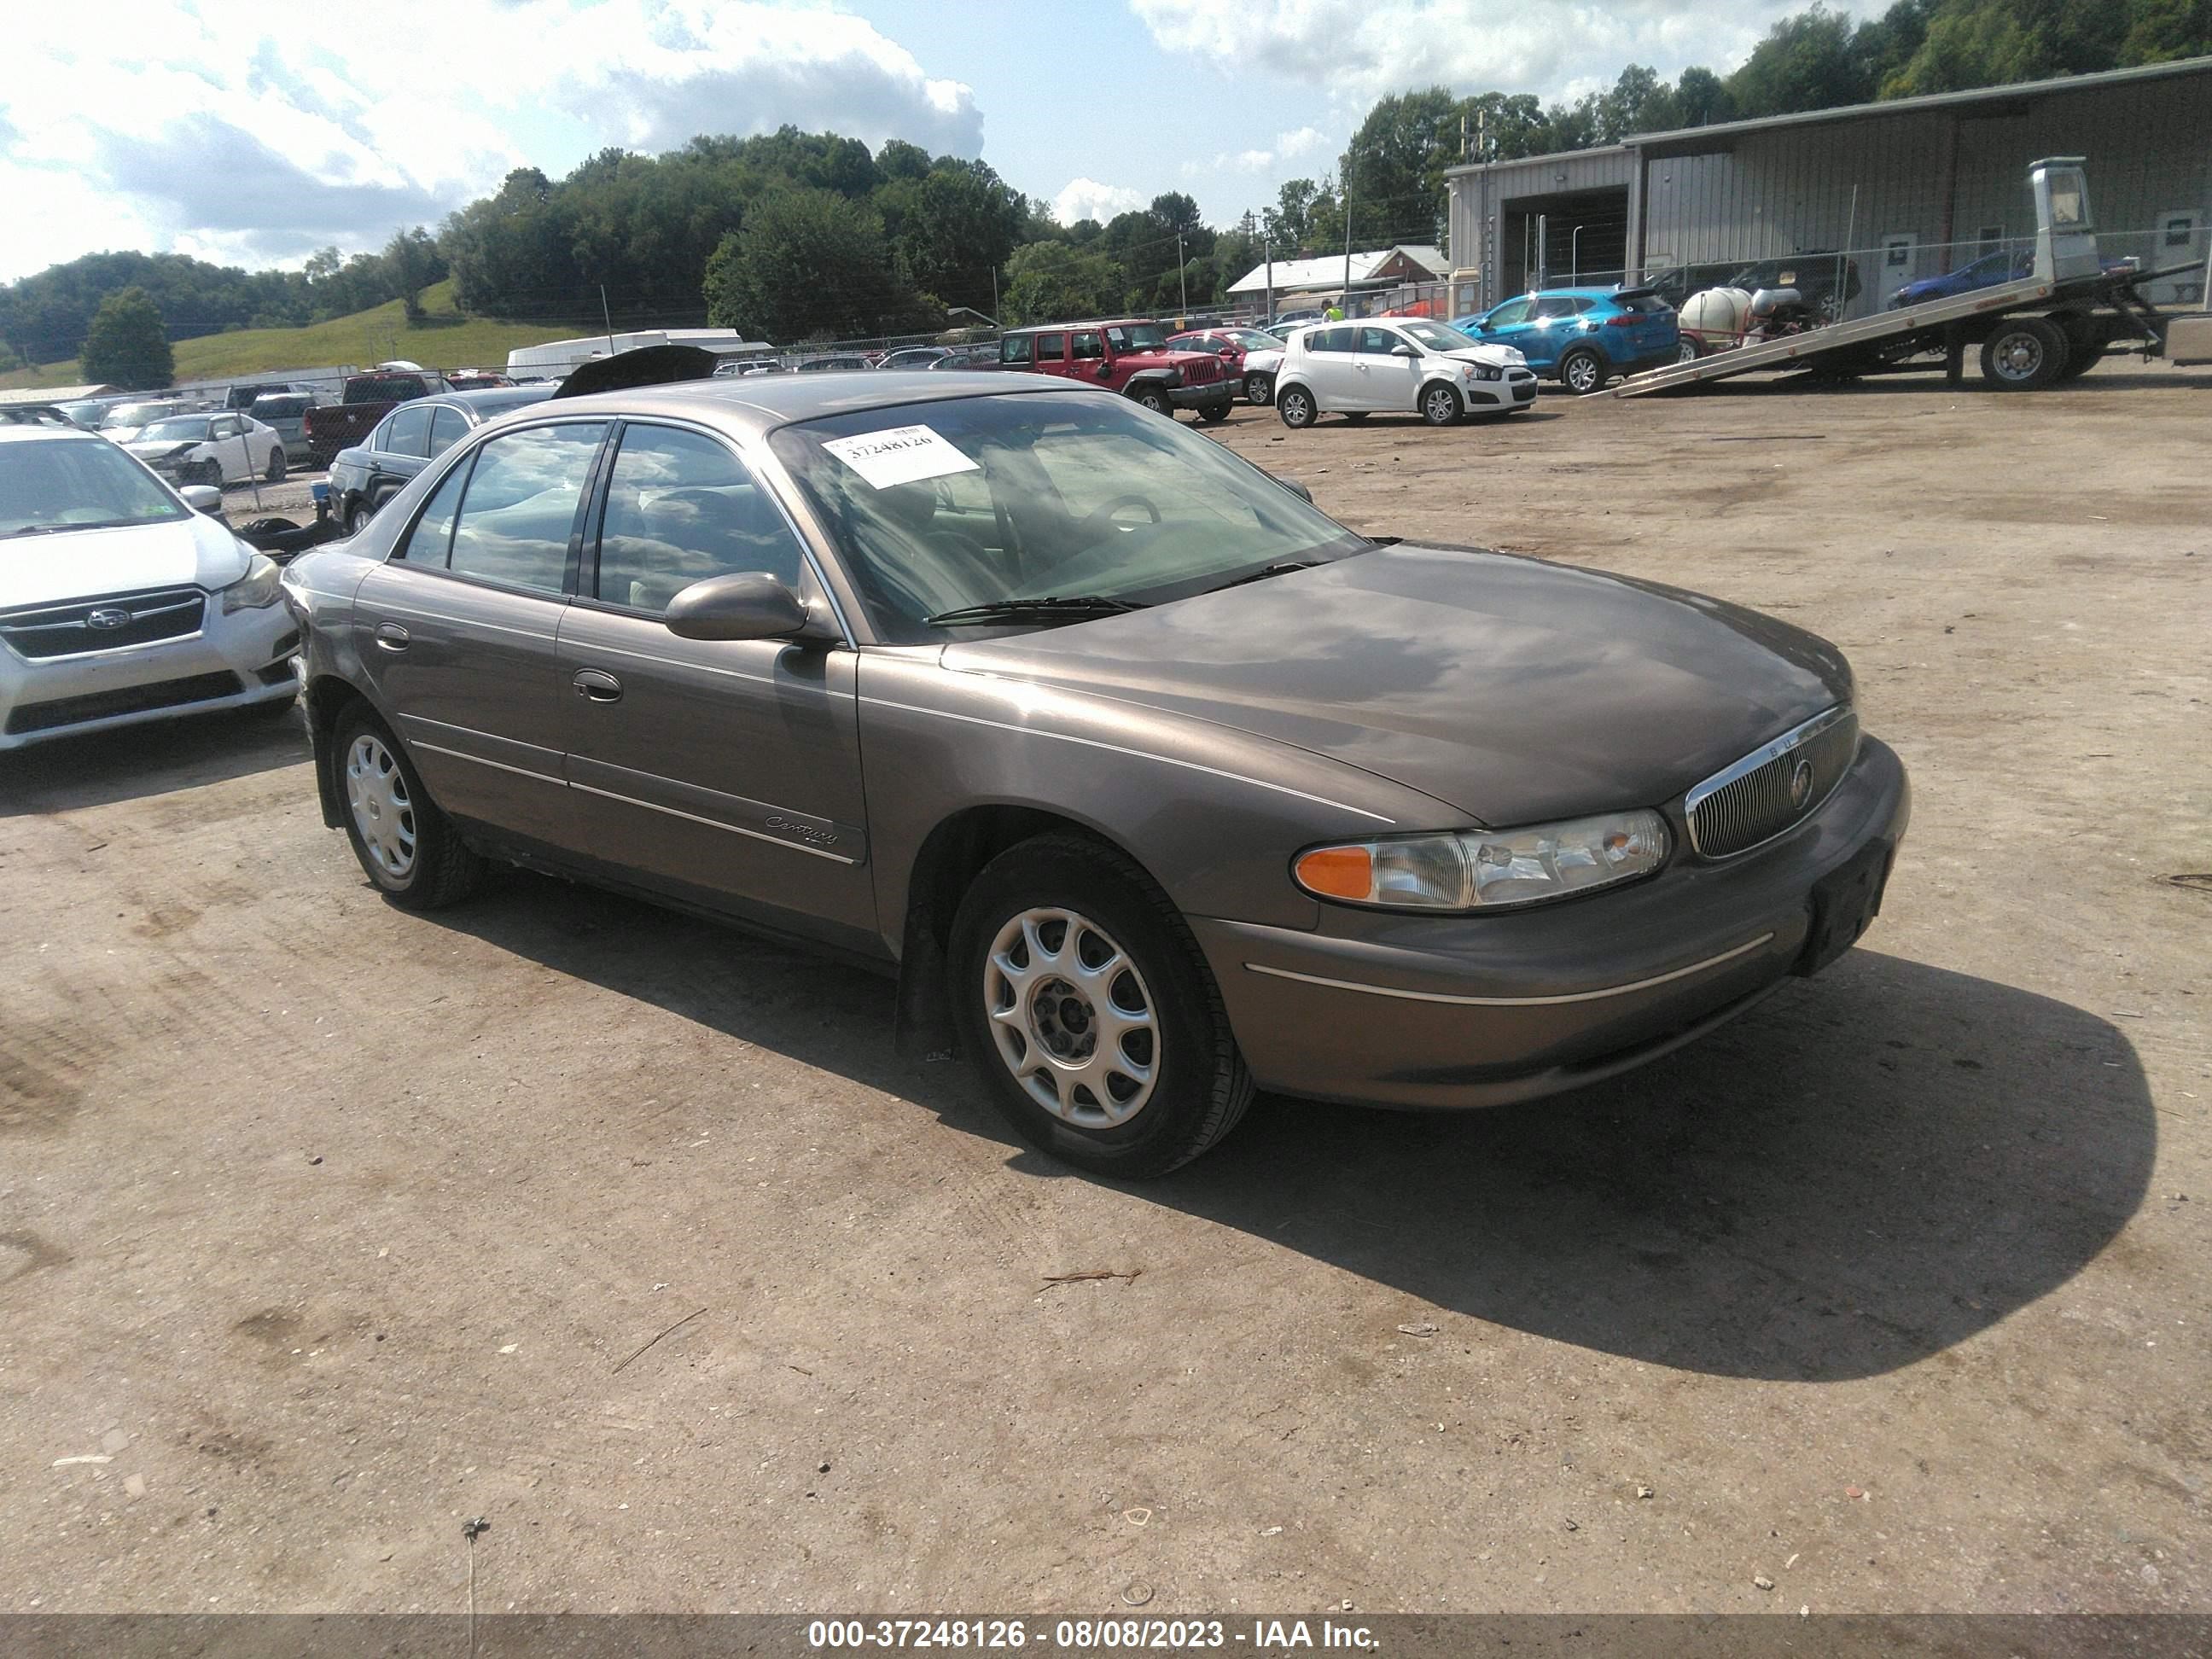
<point>2049,325</point>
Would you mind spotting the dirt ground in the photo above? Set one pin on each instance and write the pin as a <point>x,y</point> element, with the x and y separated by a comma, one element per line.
<point>323,1226</point>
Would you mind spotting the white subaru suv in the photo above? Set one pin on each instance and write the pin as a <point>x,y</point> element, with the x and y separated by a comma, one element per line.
<point>1401,365</point>
<point>120,603</point>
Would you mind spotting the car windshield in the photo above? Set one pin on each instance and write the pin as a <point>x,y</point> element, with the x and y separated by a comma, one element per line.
<point>1137,337</point>
<point>137,414</point>
<point>77,483</point>
<point>190,428</point>
<point>970,501</point>
<point>1438,337</point>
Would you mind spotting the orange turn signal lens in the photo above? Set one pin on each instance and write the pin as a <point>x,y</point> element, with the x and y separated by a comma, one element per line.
<point>1345,872</point>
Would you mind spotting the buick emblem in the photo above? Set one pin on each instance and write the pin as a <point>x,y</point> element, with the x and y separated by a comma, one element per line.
<point>107,618</point>
<point>1800,785</point>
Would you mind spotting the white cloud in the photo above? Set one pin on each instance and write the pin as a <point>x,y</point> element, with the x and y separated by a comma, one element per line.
<point>161,125</point>
<point>1356,50</point>
<point>1087,198</point>
<point>1288,148</point>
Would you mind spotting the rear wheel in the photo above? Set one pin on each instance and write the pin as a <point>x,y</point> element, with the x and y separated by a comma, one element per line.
<point>356,517</point>
<point>2024,354</point>
<point>406,846</point>
<point>1213,414</point>
<point>275,473</point>
<point>1687,351</point>
<point>1581,371</point>
<point>1440,405</point>
<point>1084,1001</point>
<point>1295,404</point>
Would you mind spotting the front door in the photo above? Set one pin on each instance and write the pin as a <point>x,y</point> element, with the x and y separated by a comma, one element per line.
<point>1899,257</point>
<point>459,630</point>
<point>227,433</point>
<point>1509,325</point>
<point>725,771</point>
<point>1386,381</point>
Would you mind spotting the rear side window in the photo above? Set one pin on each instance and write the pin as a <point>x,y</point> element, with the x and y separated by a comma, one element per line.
<point>431,540</point>
<point>1051,347</point>
<point>1330,339</point>
<point>1558,306</point>
<point>409,431</point>
<point>680,508</point>
<point>519,506</point>
<point>448,428</point>
<point>1014,349</point>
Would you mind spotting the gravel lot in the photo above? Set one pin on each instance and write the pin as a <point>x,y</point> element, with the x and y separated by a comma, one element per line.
<point>323,1226</point>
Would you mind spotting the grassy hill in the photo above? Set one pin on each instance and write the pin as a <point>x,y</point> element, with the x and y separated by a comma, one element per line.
<point>443,339</point>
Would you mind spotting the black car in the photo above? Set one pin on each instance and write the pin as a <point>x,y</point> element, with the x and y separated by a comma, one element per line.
<point>365,476</point>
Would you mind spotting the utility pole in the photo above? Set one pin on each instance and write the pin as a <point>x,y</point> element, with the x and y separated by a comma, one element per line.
<point>608,319</point>
<point>1346,303</point>
<point>1182,280</point>
<point>1267,253</point>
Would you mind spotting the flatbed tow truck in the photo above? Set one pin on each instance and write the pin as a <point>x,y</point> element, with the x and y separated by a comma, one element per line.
<point>2049,326</point>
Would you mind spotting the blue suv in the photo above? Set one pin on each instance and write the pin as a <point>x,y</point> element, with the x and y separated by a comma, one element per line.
<point>1582,336</point>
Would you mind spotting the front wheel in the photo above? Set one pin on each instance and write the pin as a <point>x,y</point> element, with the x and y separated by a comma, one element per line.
<point>406,846</point>
<point>2024,354</point>
<point>1581,372</point>
<point>1687,352</point>
<point>1295,406</point>
<point>1083,999</point>
<point>1154,399</point>
<point>1440,405</point>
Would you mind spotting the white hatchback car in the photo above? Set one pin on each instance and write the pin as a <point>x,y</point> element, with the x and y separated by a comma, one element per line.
<point>1398,365</point>
<point>119,602</point>
<point>225,447</point>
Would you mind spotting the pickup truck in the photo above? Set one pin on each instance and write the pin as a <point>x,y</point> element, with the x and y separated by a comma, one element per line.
<point>1131,357</point>
<point>367,398</point>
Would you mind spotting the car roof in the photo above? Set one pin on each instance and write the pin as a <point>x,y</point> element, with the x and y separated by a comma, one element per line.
<point>756,405</point>
<point>12,433</point>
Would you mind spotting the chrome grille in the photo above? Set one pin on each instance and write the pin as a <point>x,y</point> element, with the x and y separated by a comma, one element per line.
<point>127,619</point>
<point>1773,787</point>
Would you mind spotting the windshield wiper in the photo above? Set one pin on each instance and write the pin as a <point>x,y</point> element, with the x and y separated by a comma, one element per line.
<point>1280,568</point>
<point>1049,607</point>
<point>28,530</point>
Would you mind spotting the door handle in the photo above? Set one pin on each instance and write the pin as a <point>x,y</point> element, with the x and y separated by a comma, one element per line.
<point>391,636</point>
<point>597,685</point>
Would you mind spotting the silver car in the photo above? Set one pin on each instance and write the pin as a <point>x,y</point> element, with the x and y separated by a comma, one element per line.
<point>119,602</point>
<point>1150,782</point>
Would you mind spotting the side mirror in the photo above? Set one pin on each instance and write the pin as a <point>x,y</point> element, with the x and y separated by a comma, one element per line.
<point>1404,351</point>
<point>202,498</point>
<point>750,604</point>
<point>1297,490</point>
<point>1104,369</point>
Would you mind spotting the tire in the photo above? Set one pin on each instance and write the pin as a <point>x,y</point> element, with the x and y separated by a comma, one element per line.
<point>1295,405</point>
<point>1687,351</point>
<point>416,859</point>
<point>2081,357</point>
<point>1583,371</point>
<point>1213,414</point>
<point>1258,389</point>
<point>1156,399</point>
<point>2024,354</point>
<point>275,472</point>
<point>1441,404</point>
<point>1174,1083</point>
<point>356,517</point>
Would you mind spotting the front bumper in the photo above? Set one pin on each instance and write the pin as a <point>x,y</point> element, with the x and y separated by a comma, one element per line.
<point>1517,390</point>
<point>234,661</point>
<point>1396,1010</point>
<point>1222,392</point>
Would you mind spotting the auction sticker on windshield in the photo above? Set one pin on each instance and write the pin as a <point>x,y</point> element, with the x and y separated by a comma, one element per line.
<point>902,455</point>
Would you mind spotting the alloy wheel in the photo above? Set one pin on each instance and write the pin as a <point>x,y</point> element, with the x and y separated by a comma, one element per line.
<point>1072,1017</point>
<point>1443,407</point>
<point>383,811</point>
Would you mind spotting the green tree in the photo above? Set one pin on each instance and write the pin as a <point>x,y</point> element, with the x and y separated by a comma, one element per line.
<point>1805,63</point>
<point>412,263</point>
<point>127,344</point>
<point>809,265</point>
<point>1392,169</point>
<point>955,227</point>
<point>1701,98</point>
<point>2160,31</point>
<point>1052,282</point>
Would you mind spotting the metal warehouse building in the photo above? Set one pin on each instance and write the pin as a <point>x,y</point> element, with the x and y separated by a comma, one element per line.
<point>1914,187</point>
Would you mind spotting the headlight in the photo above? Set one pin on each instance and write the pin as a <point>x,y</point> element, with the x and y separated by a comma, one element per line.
<point>1486,869</point>
<point>1483,372</point>
<point>257,590</point>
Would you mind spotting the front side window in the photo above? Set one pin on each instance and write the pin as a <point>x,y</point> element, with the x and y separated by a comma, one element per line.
<point>1376,342</point>
<point>680,508</point>
<point>975,500</point>
<point>1512,311</point>
<point>1088,345</point>
<point>410,434</point>
<point>519,506</point>
<point>75,483</point>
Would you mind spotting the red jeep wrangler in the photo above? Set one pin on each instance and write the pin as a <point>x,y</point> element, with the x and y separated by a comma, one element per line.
<point>1129,356</point>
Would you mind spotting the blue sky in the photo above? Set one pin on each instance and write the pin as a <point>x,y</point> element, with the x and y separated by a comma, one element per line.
<point>201,128</point>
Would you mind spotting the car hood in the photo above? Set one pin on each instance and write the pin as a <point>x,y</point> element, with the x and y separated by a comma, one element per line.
<point>1263,358</point>
<point>1493,356</point>
<point>1515,691</point>
<point>147,448</point>
<point>85,564</point>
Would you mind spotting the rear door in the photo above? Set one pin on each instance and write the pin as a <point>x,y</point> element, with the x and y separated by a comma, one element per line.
<point>459,630</point>
<point>1049,352</point>
<point>725,771</point>
<point>1332,366</point>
